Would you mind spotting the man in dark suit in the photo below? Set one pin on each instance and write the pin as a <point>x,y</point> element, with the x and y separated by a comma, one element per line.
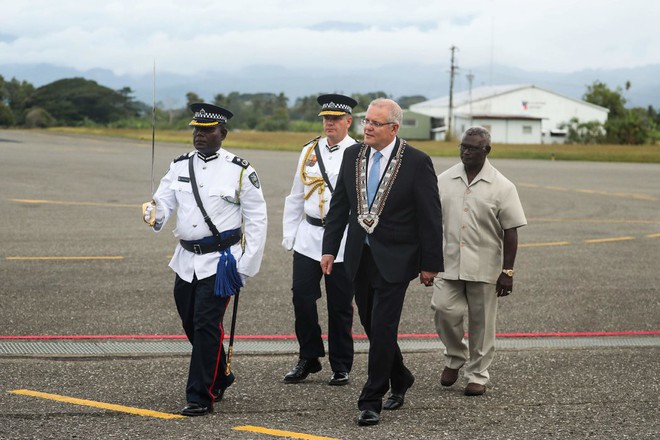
<point>387,193</point>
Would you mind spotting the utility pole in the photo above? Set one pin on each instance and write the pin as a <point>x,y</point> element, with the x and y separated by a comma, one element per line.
<point>452,73</point>
<point>470,78</point>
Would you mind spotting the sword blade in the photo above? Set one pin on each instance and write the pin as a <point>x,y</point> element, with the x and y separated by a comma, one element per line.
<point>153,128</point>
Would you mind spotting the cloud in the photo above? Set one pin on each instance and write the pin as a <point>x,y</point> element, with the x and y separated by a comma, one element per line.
<point>126,36</point>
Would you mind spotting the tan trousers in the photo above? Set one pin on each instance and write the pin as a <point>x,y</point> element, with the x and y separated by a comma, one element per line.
<point>451,300</point>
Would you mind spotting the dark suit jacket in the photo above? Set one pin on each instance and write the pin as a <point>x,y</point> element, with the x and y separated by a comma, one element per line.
<point>408,237</point>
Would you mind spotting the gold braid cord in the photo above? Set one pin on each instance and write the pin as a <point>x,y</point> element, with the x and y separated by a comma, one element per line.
<point>314,183</point>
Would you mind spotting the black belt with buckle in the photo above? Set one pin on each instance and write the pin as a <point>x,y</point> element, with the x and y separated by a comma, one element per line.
<point>315,221</point>
<point>211,244</point>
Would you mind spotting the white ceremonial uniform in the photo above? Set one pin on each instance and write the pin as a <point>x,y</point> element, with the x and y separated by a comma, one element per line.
<point>308,238</point>
<point>231,194</point>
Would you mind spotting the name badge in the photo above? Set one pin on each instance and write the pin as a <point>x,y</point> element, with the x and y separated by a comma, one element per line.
<point>184,179</point>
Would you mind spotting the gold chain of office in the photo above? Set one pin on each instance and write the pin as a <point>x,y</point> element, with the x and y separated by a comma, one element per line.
<point>368,216</point>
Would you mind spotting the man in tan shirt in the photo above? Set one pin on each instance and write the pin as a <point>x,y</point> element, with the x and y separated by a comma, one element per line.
<point>481,212</point>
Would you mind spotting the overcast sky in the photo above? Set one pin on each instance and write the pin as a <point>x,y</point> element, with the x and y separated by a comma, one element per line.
<point>186,37</point>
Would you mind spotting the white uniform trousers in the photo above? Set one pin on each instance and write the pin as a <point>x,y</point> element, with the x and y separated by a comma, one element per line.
<point>451,300</point>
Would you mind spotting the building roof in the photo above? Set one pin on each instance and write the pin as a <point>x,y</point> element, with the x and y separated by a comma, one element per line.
<point>463,97</point>
<point>485,92</point>
<point>500,116</point>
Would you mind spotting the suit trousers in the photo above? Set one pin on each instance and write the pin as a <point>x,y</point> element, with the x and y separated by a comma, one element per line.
<point>379,307</point>
<point>451,300</point>
<point>201,315</point>
<point>306,291</point>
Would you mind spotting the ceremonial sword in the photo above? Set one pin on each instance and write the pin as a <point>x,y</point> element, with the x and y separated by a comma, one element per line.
<point>230,349</point>
<point>152,215</point>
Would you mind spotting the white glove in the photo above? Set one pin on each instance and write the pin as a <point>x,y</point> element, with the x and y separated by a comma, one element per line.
<point>147,212</point>
<point>244,278</point>
<point>147,216</point>
<point>287,243</point>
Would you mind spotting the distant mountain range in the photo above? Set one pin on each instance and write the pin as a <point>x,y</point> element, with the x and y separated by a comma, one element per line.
<point>431,81</point>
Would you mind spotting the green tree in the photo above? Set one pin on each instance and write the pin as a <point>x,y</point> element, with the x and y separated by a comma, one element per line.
<point>191,98</point>
<point>6,116</point>
<point>306,108</point>
<point>14,95</point>
<point>598,93</point>
<point>37,117</point>
<point>634,128</point>
<point>364,99</point>
<point>78,101</point>
<point>654,115</point>
<point>591,132</point>
<point>624,126</point>
<point>406,101</point>
<point>252,111</point>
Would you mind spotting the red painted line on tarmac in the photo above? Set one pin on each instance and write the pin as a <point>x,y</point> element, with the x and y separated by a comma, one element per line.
<point>355,336</point>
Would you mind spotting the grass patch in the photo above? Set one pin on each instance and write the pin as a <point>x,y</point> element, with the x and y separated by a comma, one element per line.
<point>294,141</point>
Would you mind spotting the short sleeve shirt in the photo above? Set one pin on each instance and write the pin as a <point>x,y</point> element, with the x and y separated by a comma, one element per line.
<point>474,218</point>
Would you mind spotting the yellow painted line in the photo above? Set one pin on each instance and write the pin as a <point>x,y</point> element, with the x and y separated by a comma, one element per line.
<point>653,236</point>
<point>278,433</point>
<point>60,202</point>
<point>608,240</point>
<point>636,196</point>
<point>95,404</point>
<point>644,197</point>
<point>556,243</point>
<point>66,258</point>
<point>597,221</point>
<point>556,188</point>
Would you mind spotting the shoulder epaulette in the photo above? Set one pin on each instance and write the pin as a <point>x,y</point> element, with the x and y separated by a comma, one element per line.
<point>241,162</point>
<point>313,140</point>
<point>182,157</point>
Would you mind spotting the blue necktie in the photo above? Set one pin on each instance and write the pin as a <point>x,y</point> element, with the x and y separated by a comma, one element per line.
<point>374,177</point>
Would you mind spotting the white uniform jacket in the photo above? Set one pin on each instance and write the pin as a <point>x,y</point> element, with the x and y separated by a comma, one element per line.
<point>308,238</point>
<point>232,197</point>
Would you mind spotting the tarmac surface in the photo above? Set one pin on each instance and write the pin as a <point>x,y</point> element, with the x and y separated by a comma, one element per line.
<point>86,311</point>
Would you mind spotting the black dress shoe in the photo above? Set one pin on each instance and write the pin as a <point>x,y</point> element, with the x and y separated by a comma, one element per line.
<point>339,378</point>
<point>302,370</point>
<point>367,418</point>
<point>220,391</point>
<point>396,398</point>
<point>195,409</point>
<point>395,401</point>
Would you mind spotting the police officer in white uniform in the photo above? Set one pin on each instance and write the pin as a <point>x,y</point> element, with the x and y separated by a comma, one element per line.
<point>215,256</point>
<point>304,213</point>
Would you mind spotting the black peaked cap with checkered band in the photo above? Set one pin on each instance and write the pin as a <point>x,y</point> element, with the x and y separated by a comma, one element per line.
<point>209,115</point>
<point>336,105</point>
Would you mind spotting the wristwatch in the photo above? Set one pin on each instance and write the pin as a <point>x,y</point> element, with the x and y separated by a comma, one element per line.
<point>508,272</point>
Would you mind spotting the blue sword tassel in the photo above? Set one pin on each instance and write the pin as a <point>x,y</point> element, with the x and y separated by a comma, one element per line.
<point>227,280</point>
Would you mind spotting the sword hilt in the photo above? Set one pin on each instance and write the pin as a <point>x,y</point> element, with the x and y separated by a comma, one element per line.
<point>151,220</point>
<point>230,351</point>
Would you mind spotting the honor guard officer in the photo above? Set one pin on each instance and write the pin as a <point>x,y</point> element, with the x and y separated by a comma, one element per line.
<point>221,226</point>
<point>303,224</point>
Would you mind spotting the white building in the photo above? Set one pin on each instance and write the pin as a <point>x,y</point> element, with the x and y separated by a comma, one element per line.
<point>504,129</point>
<point>511,112</point>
